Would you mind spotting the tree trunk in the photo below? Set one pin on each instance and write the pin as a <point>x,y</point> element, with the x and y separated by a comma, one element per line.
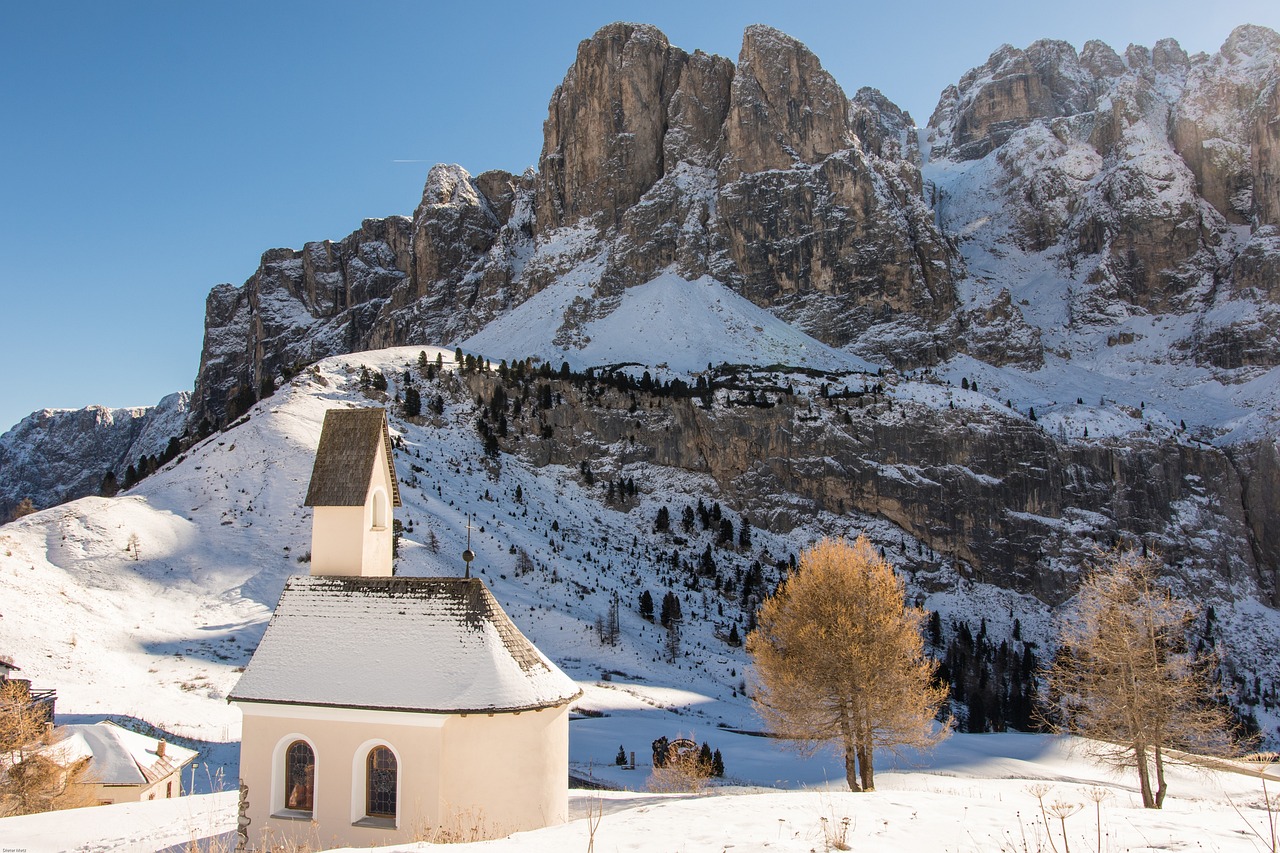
<point>1144,775</point>
<point>850,751</point>
<point>866,767</point>
<point>1160,785</point>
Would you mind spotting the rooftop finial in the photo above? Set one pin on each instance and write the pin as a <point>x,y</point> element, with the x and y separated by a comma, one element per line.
<point>468,555</point>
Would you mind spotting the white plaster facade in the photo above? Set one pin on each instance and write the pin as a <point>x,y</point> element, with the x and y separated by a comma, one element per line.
<point>459,777</point>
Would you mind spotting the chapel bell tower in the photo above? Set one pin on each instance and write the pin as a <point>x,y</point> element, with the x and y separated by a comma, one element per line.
<point>353,492</point>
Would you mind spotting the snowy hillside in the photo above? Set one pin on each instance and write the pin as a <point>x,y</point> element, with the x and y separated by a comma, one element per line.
<point>685,325</point>
<point>145,605</point>
<point>159,594</point>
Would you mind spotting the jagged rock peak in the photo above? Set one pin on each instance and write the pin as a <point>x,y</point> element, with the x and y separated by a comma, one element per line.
<point>1249,41</point>
<point>57,455</point>
<point>785,108</point>
<point>448,183</point>
<point>603,137</point>
<point>1049,79</point>
<point>1013,88</point>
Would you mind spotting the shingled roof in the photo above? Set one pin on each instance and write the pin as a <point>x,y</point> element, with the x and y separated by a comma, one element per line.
<point>120,757</point>
<point>344,459</point>
<point>438,645</point>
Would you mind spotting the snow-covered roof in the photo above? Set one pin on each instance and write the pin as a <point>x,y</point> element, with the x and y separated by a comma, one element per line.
<point>344,460</point>
<point>120,757</point>
<point>437,645</point>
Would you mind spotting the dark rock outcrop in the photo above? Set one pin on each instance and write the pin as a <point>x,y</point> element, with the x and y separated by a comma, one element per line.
<point>57,455</point>
<point>993,494</point>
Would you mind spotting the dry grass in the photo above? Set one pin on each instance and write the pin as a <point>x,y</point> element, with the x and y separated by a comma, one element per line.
<point>678,777</point>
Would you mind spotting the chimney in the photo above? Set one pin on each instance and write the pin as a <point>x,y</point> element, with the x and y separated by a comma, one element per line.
<point>160,749</point>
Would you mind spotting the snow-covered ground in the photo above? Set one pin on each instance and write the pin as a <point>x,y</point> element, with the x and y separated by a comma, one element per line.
<point>143,607</point>
<point>974,793</point>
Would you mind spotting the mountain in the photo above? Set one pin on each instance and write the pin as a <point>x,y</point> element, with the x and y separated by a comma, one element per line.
<point>1086,243</point>
<point>146,604</point>
<point>762,176</point>
<point>1107,194</point>
<point>1042,325</point>
<point>56,455</point>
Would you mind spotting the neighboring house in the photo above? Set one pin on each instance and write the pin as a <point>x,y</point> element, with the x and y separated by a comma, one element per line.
<point>382,709</point>
<point>124,766</point>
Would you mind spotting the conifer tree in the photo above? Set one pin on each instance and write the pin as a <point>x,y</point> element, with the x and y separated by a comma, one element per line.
<point>672,643</point>
<point>646,606</point>
<point>412,405</point>
<point>663,522</point>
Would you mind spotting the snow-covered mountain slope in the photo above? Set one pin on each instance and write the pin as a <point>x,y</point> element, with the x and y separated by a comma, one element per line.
<point>1122,207</point>
<point>145,604</point>
<point>1070,252</point>
<point>57,455</point>
<point>684,325</point>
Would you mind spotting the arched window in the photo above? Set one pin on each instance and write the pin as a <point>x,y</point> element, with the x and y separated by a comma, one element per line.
<point>380,783</point>
<point>379,509</point>
<point>299,776</point>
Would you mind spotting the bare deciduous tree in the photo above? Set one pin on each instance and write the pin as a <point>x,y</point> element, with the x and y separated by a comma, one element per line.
<point>1125,677</point>
<point>34,775</point>
<point>839,657</point>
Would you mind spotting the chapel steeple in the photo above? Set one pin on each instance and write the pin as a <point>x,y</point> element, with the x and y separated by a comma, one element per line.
<point>353,491</point>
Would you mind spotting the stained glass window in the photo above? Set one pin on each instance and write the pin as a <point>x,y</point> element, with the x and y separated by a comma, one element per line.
<point>381,781</point>
<point>299,776</point>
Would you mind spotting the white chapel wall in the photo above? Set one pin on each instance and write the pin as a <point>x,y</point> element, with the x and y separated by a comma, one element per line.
<point>337,744</point>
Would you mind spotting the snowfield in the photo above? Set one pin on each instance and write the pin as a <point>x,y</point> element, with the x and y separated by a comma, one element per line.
<point>975,793</point>
<point>143,607</point>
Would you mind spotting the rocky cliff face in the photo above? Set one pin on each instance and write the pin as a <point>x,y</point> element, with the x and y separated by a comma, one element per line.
<point>763,175</point>
<point>1146,181</point>
<point>985,493</point>
<point>57,455</point>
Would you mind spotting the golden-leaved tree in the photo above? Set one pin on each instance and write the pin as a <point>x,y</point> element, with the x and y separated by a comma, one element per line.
<point>34,775</point>
<point>1125,677</point>
<point>839,656</point>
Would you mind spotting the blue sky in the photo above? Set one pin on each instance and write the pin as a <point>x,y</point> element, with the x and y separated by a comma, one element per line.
<point>153,149</point>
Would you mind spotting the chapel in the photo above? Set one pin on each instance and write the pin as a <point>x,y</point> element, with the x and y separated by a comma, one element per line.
<point>381,709</point>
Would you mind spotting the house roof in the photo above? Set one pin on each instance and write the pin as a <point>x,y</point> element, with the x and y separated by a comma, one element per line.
<point>344,460</point>
<point>119,756</point>
<point>7,664</point>
<point>437,645</point>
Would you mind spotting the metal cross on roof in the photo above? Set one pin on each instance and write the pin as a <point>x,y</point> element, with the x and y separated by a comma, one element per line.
<point>468,555</point>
